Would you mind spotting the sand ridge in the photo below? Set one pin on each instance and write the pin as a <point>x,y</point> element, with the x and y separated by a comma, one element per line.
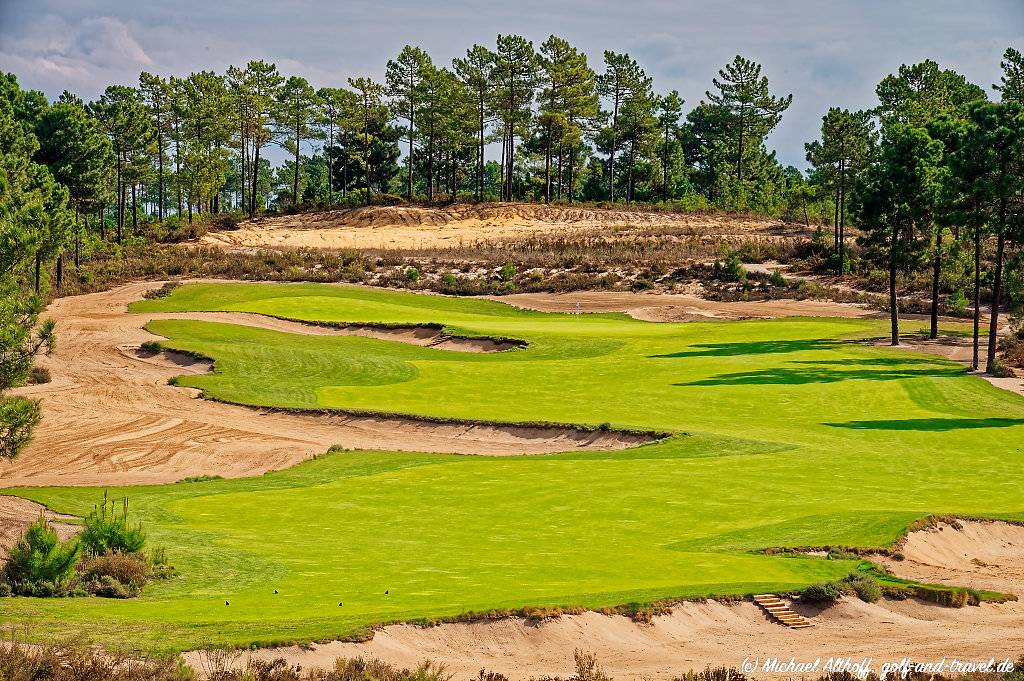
<point>414,227</point>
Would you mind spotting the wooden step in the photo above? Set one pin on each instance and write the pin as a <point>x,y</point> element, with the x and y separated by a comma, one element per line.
<point>781,612</point>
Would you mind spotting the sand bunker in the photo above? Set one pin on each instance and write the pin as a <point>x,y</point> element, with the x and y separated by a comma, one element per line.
<point>695,635</point>
<point>427,336</point>
<point>680,307</point>
<point>17,514</point>
<point>401,227</point>
<point>110,418</point>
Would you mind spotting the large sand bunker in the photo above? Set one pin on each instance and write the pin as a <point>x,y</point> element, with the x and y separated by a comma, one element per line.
<point>695,635</point>
<point>410,227</point>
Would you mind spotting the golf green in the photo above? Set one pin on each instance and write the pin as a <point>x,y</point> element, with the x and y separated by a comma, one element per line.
<point>786,432</point>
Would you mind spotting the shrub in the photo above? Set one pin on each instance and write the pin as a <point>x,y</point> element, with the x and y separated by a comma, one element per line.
<point>40,564</point>
<point>825,593</point>
<point>957,303</point>
<point>226,221</point>
<point>508,271</point>
<point>412,274</point>
<point>114,575</point>
<point>866,588</point>
<point>777,279</point>
<point>1001,370</point>
<point>1013,351</point>
<point>106,531</point>
<point>38,375</point>
<point>161,292</point>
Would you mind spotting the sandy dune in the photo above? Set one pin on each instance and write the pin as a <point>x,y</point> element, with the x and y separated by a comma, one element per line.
<point>712,633</point>
<point>401,227</point>
<point>109,416</point>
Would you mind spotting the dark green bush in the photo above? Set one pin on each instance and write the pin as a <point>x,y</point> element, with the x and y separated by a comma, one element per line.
<point>824,593</point>
<point>107,531</point>
<point>40,564</point>
<point>412,274</point>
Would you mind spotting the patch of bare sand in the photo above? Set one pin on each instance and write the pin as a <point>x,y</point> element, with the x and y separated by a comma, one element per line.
<point>110,418</point>
<point>17,514</point>
<point>680,307</point>
<point>695,635</point>
<point>415,335</point>
<point>984,555</point>
<point>412,227</point>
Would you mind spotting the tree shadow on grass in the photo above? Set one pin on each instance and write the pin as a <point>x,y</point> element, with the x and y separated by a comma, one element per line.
<point>753,348</point>
<point>932,424</point>
<point>822,374</point>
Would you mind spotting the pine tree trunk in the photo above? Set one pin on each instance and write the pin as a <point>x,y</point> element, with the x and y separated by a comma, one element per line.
<point>977,296</point>
<point>993,326</point>
<point>894,314</point>
<point>611,156</point>
<point>547,167</point>
<point>842,218</point>
<point>936,271</point>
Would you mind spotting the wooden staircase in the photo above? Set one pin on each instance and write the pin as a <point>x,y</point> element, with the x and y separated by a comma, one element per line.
<point>777,608</point>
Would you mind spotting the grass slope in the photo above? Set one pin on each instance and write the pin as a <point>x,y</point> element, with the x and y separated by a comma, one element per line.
<point>787,433</point>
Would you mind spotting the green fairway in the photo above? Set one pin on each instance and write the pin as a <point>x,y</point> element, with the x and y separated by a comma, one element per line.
<point>785,433</point>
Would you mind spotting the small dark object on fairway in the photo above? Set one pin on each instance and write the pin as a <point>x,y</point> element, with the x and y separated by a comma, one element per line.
<point>227,603</point>
<point>275,590</point>
<point>339,604</point>
<point>386,591</point>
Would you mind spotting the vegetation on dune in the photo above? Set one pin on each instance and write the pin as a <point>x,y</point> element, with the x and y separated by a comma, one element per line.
<point>427,537</point>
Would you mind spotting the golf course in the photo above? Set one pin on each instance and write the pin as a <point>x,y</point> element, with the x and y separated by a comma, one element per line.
<point>793,432</point>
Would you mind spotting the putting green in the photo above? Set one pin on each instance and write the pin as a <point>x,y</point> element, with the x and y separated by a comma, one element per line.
<point>786,433</point>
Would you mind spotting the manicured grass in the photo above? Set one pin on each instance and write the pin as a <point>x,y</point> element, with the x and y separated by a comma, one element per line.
<point>787,433</point>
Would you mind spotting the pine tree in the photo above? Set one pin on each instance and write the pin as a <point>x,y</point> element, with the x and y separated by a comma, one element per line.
<point>1011,83</point>
<point>621,78</point>
<point>405,76</point>
<point>476,71</point>
<point>752,111</point>
<point>847,142</point>
<point>670,110</point>
<point>294,118</point>
<point>78,154</point>
<point>126,122</point>
<point>920,93</point>
<point>516,77</point>
<point>895,198</point>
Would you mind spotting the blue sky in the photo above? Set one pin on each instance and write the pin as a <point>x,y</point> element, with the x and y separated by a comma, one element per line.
<point>827,53</point>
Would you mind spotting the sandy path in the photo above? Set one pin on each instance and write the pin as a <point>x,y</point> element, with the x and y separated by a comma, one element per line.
<point>110,418</point>
<point>712,633</point>
<point>402,227</point>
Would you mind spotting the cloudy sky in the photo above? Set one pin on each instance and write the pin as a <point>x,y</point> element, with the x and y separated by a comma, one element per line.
<point>825,52</point>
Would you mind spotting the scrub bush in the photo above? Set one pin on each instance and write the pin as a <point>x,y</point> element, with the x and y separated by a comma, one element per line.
<point>40,564</point>
<point>824,593</point>
<point>106,531</point>
<point>114,575</point>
